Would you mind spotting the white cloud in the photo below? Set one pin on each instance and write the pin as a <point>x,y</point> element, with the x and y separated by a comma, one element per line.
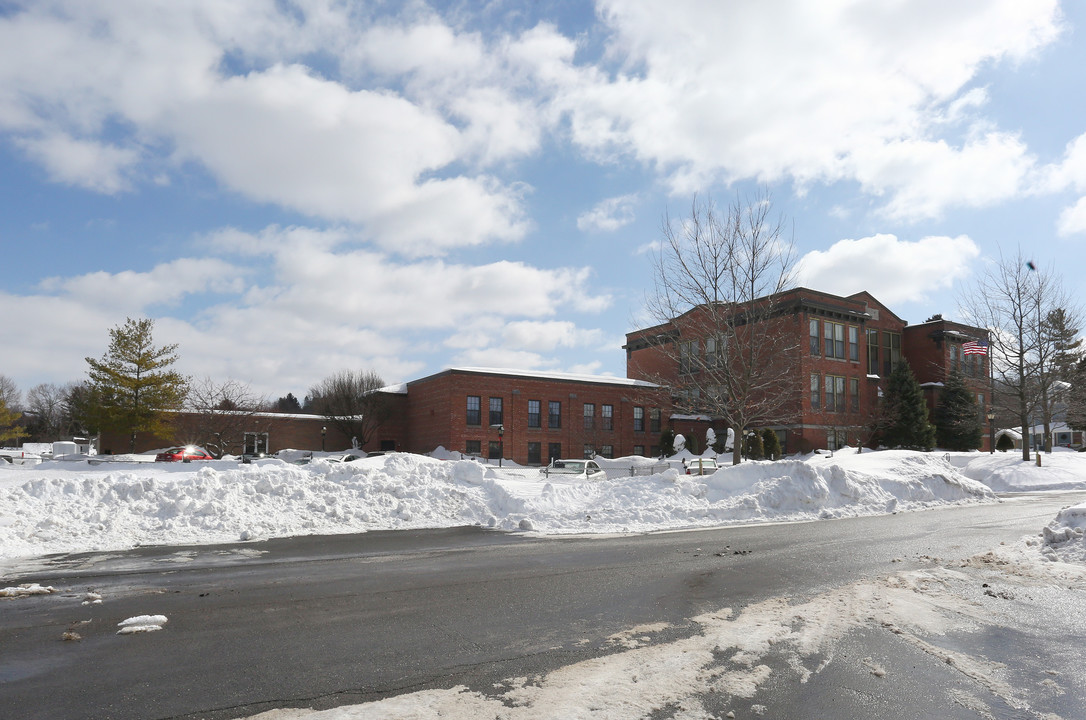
<point>85,163</point>
<point>1073,219</point>
<point>814,92</point>
<point>608,215</point>
<point>895,271</point>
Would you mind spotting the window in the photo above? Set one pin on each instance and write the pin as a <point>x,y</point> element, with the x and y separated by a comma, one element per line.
<point>607,451</point>
<point>256,443</point>
<point>554,451</point>
<point>891,351</point>
<point>955,362</point>
<point>654,420</point>
<point>835,393</point>
<point>589,416</point>
<point>639,419</point>
<point>688,356</point>
<point>494,449</point>
<point>655,451</point>
<point>814,335</point>
<point>638,450</point>
<point>534,454</point>
<point>853,343</point>
<point>607,417</point>
<point>854,394</point>
<point>473,447</point>
<point>554,416</point>
<point>533,414</point>
<point>816,393</point>
<point>589,451</point>
<point>474,416</point>
<point>496,411</point>
<point>834,339</point>
<point>714,351</point>
<point>872,352</point>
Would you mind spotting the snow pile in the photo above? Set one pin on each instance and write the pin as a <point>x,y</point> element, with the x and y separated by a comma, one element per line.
<point>1062,469</point>
<point>77,506</point>
<point>1065,537</point>
<point>141,624</point>
<point>27,589</point>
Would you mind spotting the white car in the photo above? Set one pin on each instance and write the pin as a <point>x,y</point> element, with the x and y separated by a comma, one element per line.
<point>575,468</point>
<point>700,466</point>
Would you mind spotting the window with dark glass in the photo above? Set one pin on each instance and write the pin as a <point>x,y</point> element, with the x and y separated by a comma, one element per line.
<point>854,394</point>
<point>496,411</point>
<point>872,352</point>
<point>589,416</point>
<point>816,394</point>
<point>474,410</point>
<point>638,450</point>
<point>589,451</point>
<point>472,447</point>
<point>607,417</point>
<point>654,420</point>
<point>813,330</point>
<point>834,339</point>
<point>607,451</point>
<point>535,453</point>
<point>554,451</point>
<point>835,393</point>
<point>494,449</point>
<point>534,420</point>
<point>891,351</point>
<point>554,414</point>
<point>639,419</point>
<point>853,343</point>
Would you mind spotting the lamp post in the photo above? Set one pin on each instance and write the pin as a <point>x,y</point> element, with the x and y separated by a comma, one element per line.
<point>991,432</point>
<point>501,444</point>
<point>324,431</point>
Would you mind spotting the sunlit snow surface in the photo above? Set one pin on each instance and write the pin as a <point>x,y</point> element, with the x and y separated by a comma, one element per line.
<point>66,506</point>
<point>71,506</point>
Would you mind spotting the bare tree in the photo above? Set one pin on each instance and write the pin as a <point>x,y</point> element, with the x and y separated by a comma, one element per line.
<point>9,393</point>
<point>717,281</point>
<point>352,403</point>
<point>49,404</point>
<point>1012,298</point>
<point>219,415</point>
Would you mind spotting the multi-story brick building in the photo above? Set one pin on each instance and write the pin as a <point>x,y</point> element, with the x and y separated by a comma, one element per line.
<point>838,352</point>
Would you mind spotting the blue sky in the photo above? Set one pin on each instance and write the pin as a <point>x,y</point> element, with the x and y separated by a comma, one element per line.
<point>293,188</point>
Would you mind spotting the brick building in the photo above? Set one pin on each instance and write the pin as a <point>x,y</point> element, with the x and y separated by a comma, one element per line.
<point>838,352</point>
<point>532,417</point>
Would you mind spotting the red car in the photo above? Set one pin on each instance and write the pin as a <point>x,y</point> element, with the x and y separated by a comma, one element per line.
<point>183,454</point>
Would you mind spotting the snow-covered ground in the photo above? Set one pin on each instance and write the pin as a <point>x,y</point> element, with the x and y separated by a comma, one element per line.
<point>66,506</point>
<point>69,506</point>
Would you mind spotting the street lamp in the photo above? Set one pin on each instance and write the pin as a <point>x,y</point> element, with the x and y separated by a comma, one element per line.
<point>991,432</point>
<point>501,442</point>
<point>324,431</point>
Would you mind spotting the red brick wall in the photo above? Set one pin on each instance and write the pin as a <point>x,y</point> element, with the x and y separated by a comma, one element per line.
<point>437,414</point>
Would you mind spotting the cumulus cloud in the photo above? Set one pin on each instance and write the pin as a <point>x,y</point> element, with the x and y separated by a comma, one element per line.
<point>608,215</point>
<point>893,270</point>
<point>88,164</point>
<point>1073,219</point>
<point>813,92</point>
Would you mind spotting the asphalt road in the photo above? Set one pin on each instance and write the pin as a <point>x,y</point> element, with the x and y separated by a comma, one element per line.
<point>326,621</point>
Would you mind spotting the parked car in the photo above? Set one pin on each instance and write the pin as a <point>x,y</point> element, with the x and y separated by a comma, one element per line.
<point>588,468</point>
<point>345,457</point>
<point>700,466</point>
<point>183,454</point>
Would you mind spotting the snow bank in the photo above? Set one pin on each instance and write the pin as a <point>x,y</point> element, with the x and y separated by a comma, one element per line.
<point>1062,469</point>
<point>76,506</point>
<point>1065,537</point>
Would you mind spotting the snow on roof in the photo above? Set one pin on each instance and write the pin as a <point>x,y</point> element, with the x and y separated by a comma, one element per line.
<point>572,377</point>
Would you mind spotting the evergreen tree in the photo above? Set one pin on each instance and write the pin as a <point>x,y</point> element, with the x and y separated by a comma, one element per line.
<point>132,384</point>
<point>905,412</point>
<point>667,442</point>
<point>772,444</point>
<point>957,418</point>
<point>753,448</point>
<point>1067,346</point>
<point>9,430</point>
<point>288,404</point>
<point>1004,443</point>
<point>1076,397</point>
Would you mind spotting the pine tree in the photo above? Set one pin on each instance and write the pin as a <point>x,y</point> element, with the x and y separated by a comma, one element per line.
<point>957,418</point>
<point>1076,397</point>
<point>905,412</point>
<point>667,442</point>
<point>772,444</point>
<point>753,448</point>
<point>9,430</point>
<point>132,384</point>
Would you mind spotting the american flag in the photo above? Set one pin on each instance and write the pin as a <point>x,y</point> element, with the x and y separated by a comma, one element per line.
<point>975,347</point>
